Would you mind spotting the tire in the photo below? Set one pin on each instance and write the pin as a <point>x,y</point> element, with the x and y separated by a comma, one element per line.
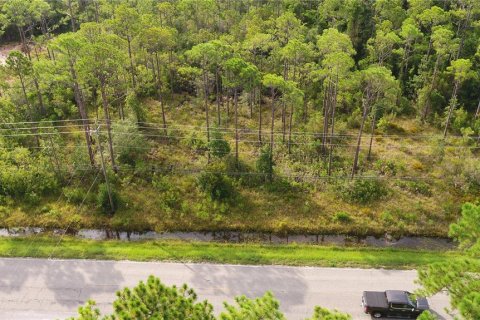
<point>377,315</point>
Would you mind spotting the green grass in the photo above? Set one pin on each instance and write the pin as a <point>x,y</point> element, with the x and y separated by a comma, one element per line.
<point>293,255</point>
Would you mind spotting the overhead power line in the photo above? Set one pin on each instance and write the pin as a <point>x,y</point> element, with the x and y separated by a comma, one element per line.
<point>202,128</point>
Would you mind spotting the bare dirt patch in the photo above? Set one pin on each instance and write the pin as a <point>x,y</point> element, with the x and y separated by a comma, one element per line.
<point>6,48</point>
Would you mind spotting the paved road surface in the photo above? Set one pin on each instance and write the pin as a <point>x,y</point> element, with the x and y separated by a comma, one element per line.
<point>51,289</point>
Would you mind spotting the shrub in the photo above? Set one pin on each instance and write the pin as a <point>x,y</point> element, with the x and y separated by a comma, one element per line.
<point>218,146</point>
<point>281,186</point>
<point>354,119</point>
<point>342,217</point>
<point>24,176</point>
<point>193,141</point>
<point>386,167</point>
<point>460,120</point>
<point>74,195</point>
<point>418,187</point>
<point>463,172</point>
<point>241,172</point>
<point>103,199</point>
<point>386,124</point>
<point>216,185</point>
<point>387,218</point>
<point>363,190</point>
<point>169,194</point>
<point>129,144</point>
<point>132,104</point>
<point>265,163</point>
<point>161,183</point>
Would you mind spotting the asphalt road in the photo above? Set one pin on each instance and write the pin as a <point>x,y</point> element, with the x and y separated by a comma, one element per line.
<point>53,289</point>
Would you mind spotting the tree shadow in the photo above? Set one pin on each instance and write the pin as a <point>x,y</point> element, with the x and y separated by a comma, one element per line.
<point>228,281</point>
<point>55,286</point>
<point>72,282</point>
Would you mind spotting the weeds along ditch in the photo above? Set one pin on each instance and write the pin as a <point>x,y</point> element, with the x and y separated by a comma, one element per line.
<point>387,241</point>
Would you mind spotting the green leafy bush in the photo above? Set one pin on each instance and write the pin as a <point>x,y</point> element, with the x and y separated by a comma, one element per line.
<point>161,183</point>
<point>354,119</point>
<point>74,195</point>
<point>363,190</point>
<point>195,142</point>
<point>387,125</point>
<point>103,199</point>
<point>265,163</point>
<point>462,171</point>
<point>128,142</point>
<point>25,176</point>
<point>169,194</point>
<point>342,217</point>
<point>132,104</point>
<point>216,185</point>
<point>218,146</point>
<point>416,187</point>
<point>386,167</point>
<point>460,120</point>
<point>387,218</point>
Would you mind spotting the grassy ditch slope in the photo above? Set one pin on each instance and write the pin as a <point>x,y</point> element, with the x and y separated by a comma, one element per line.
<point>253,254</point>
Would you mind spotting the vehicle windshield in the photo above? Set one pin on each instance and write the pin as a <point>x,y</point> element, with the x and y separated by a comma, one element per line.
<point>411,298</point>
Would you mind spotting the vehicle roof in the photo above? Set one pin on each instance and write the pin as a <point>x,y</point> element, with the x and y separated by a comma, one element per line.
<point>397,296</point>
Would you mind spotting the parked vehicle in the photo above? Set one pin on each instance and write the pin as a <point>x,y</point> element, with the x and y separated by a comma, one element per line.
<point>393,303</point>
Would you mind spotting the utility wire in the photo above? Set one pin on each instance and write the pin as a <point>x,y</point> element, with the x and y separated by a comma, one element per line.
<point>78,209</point>
<point>202,128</point>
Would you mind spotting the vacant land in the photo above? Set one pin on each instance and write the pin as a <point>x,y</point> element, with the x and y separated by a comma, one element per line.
<point>283,117</point>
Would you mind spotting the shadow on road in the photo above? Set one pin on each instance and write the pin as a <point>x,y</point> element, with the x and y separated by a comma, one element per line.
<point>69,284</point>
<point>75,282</point>
<point>287,284</point>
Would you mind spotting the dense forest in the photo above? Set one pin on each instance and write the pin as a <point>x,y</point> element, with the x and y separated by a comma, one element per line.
<point>287,116</point>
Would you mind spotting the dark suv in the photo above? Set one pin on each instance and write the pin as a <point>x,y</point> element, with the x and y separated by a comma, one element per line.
<point>393,303</point>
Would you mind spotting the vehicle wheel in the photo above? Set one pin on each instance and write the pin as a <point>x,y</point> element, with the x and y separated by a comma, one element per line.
<point>377,315</point>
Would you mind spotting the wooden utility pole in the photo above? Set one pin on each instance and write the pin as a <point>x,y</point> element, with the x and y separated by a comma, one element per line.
<point>104,169</point>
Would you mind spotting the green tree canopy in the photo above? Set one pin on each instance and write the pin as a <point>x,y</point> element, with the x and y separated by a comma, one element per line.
<point>154,300</point>
<point>460,279</point>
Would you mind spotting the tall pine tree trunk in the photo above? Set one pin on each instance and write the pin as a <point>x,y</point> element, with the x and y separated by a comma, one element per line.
<point>235,101</point>
<point>272,128</point>
<point>305,109</point>
<point>217,95</point>
<point>326,113</point>
<point>107,121</point>
<point>228,105</point>
<point>290,129</point>
<point>205,94</point>
<point>170,69</point>
<point>453,103</point>
<point>130,56</point>
<point>259,118</point>
<point>477,113</point>
<point>426,109</point>
<point>160,95</point>
<point>372,132</point>
<point>334,107</point>
<point>39,96</point>
<point>366,108</point>
<point>284,121</point>
<point>251,97</point>
<point>83,112</point>
<point>72,17</point>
